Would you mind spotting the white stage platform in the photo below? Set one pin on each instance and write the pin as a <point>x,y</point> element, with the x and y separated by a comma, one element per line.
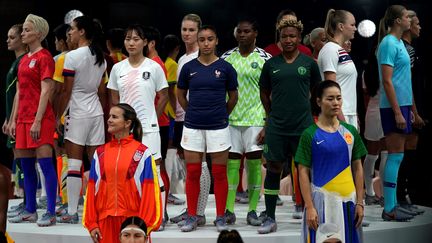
<point>419,230</point>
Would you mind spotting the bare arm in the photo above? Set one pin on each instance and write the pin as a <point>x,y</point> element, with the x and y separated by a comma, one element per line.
<point>305,186</point>
<point>387,73</point>
<point>12,120</point>
<point>162,101</point>
<point>181,96</point>
<point>102,93</point>
<point>115,97</point>
<point>172,97</point>
<point>265,100</point>
<point>357,170</point>
<point>232,100</point>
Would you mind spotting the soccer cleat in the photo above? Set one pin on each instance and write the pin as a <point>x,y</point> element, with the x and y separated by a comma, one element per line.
<point>262,216</point>
<point>180,217</point>
<point>68,219</point>
<point>252,219</point>
<point>269,225</point>
<point>62,209</point>
<point>372,200</point>
<point>406,210</point>
<point>15,210</point>
<point>24,216</point>
<point>242,197</point>
<point>396,215</point>
<point>298,212</point>
<point>190,224</point>
<point>230,217</point>
<point>42,203</point>
<point>381,201</point>
<point>220,223</point>
<point>175,200</point>
<point>279,201</point>
<point>47,220</point>
<point>412,208</point>
<point>201,221</point>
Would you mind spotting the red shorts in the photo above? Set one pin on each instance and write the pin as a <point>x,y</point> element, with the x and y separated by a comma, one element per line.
<point>24,140</point>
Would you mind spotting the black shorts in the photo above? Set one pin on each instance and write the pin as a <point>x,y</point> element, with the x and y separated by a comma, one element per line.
<point>164,136</point>
<point>178,132</point>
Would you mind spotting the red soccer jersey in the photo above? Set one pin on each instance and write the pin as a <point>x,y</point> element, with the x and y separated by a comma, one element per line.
<point>274,50</point>
<point>163,119</point>
<point>32,71</point>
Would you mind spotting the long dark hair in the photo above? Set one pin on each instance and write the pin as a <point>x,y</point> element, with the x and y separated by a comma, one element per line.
<point>129,114</point>
<point>135,220</point>
<point>229,236</point>
<point>318,92</point>
<point>93,33</point>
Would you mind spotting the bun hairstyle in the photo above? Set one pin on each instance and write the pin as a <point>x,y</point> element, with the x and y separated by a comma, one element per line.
<point>312,36</point>
<point>40,25</point>
<point>129,114</point>
<point>290,23</point>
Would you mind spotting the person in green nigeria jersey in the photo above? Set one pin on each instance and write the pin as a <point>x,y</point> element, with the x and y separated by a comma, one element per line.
<point>247,119</point>
<point>285,84</point>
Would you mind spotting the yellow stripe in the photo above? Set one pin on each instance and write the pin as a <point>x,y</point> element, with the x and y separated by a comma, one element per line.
<point>157,196</point>
<point>342,183</point>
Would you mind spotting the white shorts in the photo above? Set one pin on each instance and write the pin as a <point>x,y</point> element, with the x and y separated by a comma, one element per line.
<point>210,141</point>
<point>244,139</point>
<point>85,131</point>
<point>373,128</point>
<point>153,142</point>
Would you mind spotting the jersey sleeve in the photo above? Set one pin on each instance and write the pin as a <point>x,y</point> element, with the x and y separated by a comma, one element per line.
<point>315,75</point>
<point>359,149</point>
<point>69,64</point>
<point>183,80</point>
<point>58,73</point>
<point>151,204</point>
<point>160,78</point>
<point>113,78</point>
<point>47,67</point>
<point>303,154</point>
<point>171,72</point>
<point>387,53</point>
<point>90,215</point>
<point>232,82</point>
<point>328,59</point>
<point>264,81</point>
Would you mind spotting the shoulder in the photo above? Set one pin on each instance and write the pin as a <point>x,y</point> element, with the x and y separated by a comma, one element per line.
<point>229,53</point>
<point>262,53</point>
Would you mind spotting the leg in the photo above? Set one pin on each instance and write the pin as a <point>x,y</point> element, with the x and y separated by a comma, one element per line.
<point>44,155</point>
<point>369,169</point>
<point>74,179</point>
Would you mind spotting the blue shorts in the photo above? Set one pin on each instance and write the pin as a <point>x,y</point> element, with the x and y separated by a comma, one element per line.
<point>388,121</point>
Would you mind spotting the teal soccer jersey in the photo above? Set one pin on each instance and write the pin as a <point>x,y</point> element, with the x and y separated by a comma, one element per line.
<point>290,85</point>
<point>249,110</point>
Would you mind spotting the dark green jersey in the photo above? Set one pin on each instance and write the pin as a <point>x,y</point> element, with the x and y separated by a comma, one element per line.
<point>11,82</point>
<point>290,85</point>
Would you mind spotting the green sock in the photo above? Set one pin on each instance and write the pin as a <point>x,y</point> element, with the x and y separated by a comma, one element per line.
<point>254,182</point>
<point>233,177</point>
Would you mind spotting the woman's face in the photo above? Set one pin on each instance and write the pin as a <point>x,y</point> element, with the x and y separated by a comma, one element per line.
<point>14,41</point>
<point>189,30</point>
<point>29,34</point>
<point>405,20</point>
<point>74,33</point>
<point>319,42</point>
<point>134,44</point>
<point>330,101</point>
<point>132,233</point>
<point>415,27</point>
<point>207,42</point>
<point>117,123</point>
<point>245,34</point>
<point>349,27</point>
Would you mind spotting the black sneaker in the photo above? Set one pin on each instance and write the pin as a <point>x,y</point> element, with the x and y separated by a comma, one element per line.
<point>396,215</point>
<point>230,217</point>
<point>180,217</point>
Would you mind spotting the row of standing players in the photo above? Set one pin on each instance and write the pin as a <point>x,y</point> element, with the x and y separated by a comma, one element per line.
<point>282,132</point>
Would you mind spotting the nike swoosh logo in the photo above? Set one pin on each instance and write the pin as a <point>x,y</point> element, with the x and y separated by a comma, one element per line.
<point>319,142</point>
<point>192,74</point>
<point>275,71</point>
<point>121,76</point>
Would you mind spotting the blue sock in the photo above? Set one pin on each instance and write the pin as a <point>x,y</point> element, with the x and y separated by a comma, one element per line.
<point>28,166</point>
<point>390,179</point>
<point>49,172</point>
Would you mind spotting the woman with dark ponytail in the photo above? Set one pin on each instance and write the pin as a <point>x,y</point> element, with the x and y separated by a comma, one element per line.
<point>81,103</point>
<point>123,180</point>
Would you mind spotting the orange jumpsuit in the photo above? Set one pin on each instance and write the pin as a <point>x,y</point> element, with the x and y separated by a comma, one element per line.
<point>123,182</point>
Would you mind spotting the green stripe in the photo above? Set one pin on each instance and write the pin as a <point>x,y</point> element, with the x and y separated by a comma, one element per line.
<point>271,192</point>
<point>11,84</point>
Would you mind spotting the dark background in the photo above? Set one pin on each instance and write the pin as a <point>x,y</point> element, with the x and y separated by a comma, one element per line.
<point>166,15</point>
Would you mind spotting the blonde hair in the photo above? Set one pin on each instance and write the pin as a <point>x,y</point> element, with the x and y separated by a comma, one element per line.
<point>312,36</point>
<point>334,17</point>
<point>40,25</point>
<point>290,23</point>
<point>194,18</point>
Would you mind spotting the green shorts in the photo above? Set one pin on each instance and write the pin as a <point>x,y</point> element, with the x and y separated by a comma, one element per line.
<point>280,148</point>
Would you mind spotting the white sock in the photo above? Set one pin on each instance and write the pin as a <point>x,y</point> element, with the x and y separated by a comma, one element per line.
<point>74,184</point>
<point>368,173</point>
<point>42,181</point>
<point>383,161</point>
<point>205,182</point>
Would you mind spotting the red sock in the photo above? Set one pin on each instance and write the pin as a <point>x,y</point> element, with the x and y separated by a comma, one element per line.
<point>220,187</point>
<point>193,174</point>
<point>298,196</point>
<point>166,182</point>
<point>240,185</point>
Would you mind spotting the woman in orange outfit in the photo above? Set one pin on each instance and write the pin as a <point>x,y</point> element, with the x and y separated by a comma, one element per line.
<point>123,180</point>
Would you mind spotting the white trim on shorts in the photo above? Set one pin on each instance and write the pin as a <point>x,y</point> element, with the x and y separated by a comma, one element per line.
<point>210,141</point>
<point>244,139</point>
<point>153,142</point>
<point>85,131</point>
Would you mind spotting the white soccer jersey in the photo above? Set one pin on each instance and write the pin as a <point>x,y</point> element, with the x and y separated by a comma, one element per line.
<point>137,87</point>
<point>84,101</point>
<point>180,113</point>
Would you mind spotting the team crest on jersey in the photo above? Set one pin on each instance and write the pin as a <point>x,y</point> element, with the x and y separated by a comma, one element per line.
<point>146,75</point>
<point>301,70</point>
<point>138,155</point>
<point>217,73</point>
<point>348,138</point>
<point>32,63</point>
<point>254,65</point>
